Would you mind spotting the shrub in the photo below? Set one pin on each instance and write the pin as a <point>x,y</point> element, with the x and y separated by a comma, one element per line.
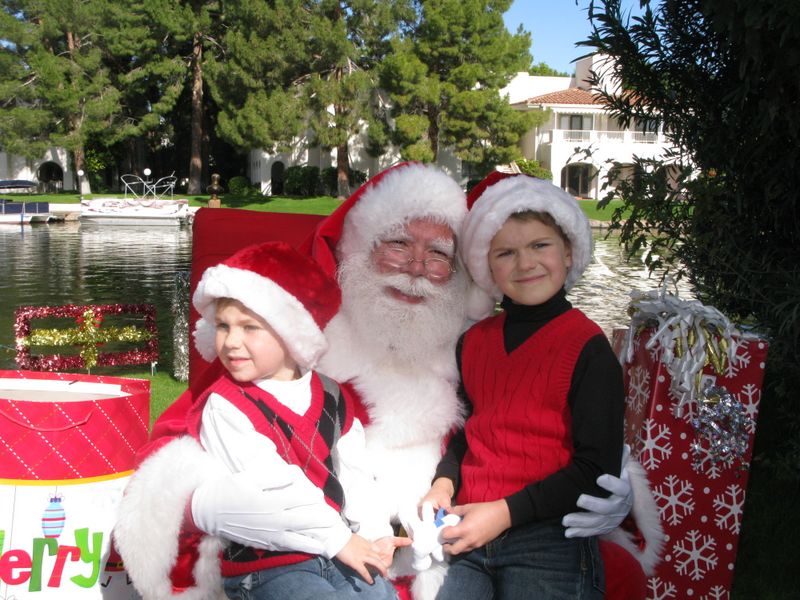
<point>302,181</point>
<point>293,182</point>
<point>240,186</point>
<point>327,179</point>
<point>310,178</point>
<point>534,169</point>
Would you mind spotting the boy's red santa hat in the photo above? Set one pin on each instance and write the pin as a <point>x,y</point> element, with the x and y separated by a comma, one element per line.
<point>288,290</point>
<point>490,204</point>
<point>392,198</point>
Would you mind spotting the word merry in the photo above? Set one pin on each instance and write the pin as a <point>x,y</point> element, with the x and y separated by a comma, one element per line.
<point>18,566</point>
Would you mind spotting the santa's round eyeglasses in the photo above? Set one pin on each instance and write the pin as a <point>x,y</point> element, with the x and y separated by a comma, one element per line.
<point>398,258</point>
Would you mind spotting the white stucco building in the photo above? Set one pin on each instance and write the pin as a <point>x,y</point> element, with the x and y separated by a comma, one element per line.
<point>51,173</point>
<point>580,141</point>
<point>266,169</point>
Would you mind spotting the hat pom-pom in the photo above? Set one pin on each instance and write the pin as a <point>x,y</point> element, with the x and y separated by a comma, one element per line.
<point>204,339</point>
<point>479,303</point>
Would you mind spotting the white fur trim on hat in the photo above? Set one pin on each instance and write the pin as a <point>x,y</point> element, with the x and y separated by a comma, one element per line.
<point>411,192</point>
<point>518,194</point>
<point>284,312</point>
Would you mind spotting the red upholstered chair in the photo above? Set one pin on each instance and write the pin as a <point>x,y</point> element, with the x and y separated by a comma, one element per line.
<point>219,232</point>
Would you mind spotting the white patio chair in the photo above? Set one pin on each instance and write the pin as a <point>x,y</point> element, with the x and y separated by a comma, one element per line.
<point>164,186</point>
<point>133,185</point>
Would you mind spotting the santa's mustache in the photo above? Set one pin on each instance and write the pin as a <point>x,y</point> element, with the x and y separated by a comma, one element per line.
<point>410,285</point>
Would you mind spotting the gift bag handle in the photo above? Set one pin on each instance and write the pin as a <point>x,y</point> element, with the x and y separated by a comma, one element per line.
<point>47,429</point>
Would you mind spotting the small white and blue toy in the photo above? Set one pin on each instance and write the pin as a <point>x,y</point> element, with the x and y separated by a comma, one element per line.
<point>427,536</point>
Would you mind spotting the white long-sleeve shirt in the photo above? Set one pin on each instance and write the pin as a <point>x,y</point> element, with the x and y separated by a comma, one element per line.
<point>268,503</point>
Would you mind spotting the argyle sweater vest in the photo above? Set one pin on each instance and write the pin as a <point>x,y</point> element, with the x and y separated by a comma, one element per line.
<point>520,428</point>
<point>303,440</point>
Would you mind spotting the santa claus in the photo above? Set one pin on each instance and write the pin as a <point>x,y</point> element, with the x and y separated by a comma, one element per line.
<point>392,344</point>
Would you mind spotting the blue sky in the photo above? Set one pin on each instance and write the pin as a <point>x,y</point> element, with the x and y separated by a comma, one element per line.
<point>555,26</point>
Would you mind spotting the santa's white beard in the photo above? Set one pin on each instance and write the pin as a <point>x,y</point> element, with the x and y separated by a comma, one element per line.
<point>397,330</point>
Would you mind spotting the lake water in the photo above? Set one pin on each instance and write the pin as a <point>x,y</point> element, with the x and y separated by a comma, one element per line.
<point>71,263</point>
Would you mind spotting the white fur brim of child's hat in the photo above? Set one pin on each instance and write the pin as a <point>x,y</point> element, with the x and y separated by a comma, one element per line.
<point>286,289</point>
<point>287,316</point>
<point>490,211</point>
<point>406,192</point>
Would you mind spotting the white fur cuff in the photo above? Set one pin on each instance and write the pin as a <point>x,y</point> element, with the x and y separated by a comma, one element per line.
<point>151,513</point>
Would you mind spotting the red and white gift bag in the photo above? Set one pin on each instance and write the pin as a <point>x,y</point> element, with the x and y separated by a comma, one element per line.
<point>67,443</point>
<point>693,386</point>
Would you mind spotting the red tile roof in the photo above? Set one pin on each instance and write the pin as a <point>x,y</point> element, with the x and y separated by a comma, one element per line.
<point>568,96</point>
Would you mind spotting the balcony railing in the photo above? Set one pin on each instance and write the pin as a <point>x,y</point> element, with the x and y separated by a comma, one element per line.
<point>648,137</point>
<point>610,137</point>
<point>575,135</point>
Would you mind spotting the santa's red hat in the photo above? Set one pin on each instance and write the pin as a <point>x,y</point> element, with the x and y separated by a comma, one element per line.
<point>288,290</point>
<point>490,204</point>
<point>392,198</point>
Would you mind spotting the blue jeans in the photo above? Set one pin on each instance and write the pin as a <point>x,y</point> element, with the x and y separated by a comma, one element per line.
<point>527,562</point>
<point>316,578</point>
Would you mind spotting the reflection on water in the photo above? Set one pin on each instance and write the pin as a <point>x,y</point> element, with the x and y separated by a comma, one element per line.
<point>69,263</point>
<point>604,290</point>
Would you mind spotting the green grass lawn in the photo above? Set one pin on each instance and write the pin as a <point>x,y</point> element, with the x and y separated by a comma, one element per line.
<point>318,205</point>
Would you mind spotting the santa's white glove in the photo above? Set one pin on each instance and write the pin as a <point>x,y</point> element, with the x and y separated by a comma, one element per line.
<point>605,514</point>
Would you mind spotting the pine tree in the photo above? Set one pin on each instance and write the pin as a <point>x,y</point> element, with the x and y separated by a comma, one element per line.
<point>55,88</point>
<point>443,76</point>
<point>348,42</point>
<point>265,50</point>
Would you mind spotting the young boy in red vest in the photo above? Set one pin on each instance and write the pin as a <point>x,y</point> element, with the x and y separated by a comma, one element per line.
<point>269,414</point>
<point>546,402</point>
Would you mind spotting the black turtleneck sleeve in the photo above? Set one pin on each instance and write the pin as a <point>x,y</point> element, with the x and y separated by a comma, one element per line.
<point>596,399</point>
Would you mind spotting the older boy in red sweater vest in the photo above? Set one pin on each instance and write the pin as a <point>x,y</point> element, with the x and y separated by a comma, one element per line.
<point>546,403</point>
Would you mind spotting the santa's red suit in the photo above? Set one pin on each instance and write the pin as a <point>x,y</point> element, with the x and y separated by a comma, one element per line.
<point>399,361</point>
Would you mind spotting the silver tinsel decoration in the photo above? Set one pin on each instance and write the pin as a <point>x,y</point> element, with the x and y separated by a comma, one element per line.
<point>180,332</point>
<point>721,427</point>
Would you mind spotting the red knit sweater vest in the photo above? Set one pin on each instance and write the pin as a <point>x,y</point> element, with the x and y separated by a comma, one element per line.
<point>520,428</point>
<point>303,440</point>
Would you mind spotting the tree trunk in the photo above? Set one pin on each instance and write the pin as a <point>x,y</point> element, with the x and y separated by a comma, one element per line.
<point>79,157</point>
<point>433,133</point>
<point>196,160</point>
<point>342,171</point>
<point>78,154</point>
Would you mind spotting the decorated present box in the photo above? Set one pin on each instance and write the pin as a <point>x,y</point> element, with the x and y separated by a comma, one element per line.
<point>693,387</point>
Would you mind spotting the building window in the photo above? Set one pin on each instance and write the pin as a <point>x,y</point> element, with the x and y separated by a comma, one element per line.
<point>578,180</point>
<point>646,126</point>
<point>575,122</point>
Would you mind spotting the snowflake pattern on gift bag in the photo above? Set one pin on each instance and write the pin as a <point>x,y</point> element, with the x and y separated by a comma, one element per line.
<point>701,506</point>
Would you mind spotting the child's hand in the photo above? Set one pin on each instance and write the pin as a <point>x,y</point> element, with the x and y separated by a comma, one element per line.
<point>386,546</point>
<point>358,554</point>
<point>440,495</point>
<point>480,524</point>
